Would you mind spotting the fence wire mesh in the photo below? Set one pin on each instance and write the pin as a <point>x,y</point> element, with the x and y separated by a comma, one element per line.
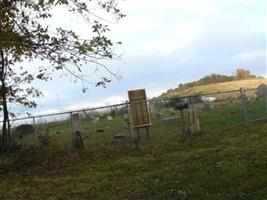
<point>108,126</point>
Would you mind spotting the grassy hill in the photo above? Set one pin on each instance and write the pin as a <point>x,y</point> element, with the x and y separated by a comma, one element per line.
<point>217,87</point>
<point>227,161</point>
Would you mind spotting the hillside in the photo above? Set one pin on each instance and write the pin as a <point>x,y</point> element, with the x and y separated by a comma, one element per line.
<point>217,87</point>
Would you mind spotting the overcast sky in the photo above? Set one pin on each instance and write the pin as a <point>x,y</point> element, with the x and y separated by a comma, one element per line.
<point>167,42</point>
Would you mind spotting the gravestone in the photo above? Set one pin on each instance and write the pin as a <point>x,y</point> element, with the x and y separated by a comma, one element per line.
<point>208,106</point>
<point>109,118</point>
<point>95,120</point>
<point>125,125</point>
<point>261,90</point>
<point>262,93</point>
<point>154,107</point>
<point>158,114</point>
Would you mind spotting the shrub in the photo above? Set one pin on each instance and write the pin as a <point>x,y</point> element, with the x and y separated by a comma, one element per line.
<point>23,130</point>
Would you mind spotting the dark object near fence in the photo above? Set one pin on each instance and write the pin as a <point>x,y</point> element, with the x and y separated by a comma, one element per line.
<point>23,130</point>
<point>44,139</point>
<point>78,141</point>
<point>100,130</point>
<point>119,136</point>
<point>190,123</point>
<point>180,106</point>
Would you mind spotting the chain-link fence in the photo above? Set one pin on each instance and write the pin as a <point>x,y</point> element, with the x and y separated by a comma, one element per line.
<point>171,117</point>
<point>255,104</point>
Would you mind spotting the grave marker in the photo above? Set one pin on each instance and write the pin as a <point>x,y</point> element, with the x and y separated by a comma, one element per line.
<point>95,119</point>
<point>109,118</point>
<point>208,106</point>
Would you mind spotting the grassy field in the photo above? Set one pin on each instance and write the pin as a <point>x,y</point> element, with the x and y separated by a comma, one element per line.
<point>228,160</point>
<point>220,87</point>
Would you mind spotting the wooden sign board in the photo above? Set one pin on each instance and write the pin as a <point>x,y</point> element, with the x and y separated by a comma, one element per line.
<point>140,115</point>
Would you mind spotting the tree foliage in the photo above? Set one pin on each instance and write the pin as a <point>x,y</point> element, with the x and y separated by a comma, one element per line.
<point>26,35</point>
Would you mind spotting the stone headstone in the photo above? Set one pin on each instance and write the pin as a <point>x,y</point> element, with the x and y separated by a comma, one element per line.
<point>109,118</point>
<point>95,120</point>
<point>208,106</point>
<point>125,124</point>
<point>158,115</point>
<point>261,90</point>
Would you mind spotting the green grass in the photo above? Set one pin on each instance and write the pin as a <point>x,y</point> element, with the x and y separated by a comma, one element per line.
<point>227,161</point>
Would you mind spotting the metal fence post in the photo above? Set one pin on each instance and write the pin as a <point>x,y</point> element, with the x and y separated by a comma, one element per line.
<point>34,126</point>
<point>77,130</point>
<point>244,100</point>
<point>265,97</point>
<point>71,121</point>
<point>129,121</point>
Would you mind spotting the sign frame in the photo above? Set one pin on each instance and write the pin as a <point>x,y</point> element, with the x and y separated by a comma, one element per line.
<point>139,109</point>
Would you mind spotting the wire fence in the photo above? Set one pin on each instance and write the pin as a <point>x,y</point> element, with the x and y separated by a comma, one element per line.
<point>110,125</point>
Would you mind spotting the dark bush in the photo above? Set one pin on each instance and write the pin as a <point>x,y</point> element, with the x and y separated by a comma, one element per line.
<point>23,130</point>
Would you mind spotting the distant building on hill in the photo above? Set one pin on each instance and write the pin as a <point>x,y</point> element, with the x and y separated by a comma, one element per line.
<point>242,74</point>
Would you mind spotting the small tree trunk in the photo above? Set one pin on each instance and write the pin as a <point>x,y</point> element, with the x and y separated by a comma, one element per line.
<point>5,140</point>
<point>4,126</point>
